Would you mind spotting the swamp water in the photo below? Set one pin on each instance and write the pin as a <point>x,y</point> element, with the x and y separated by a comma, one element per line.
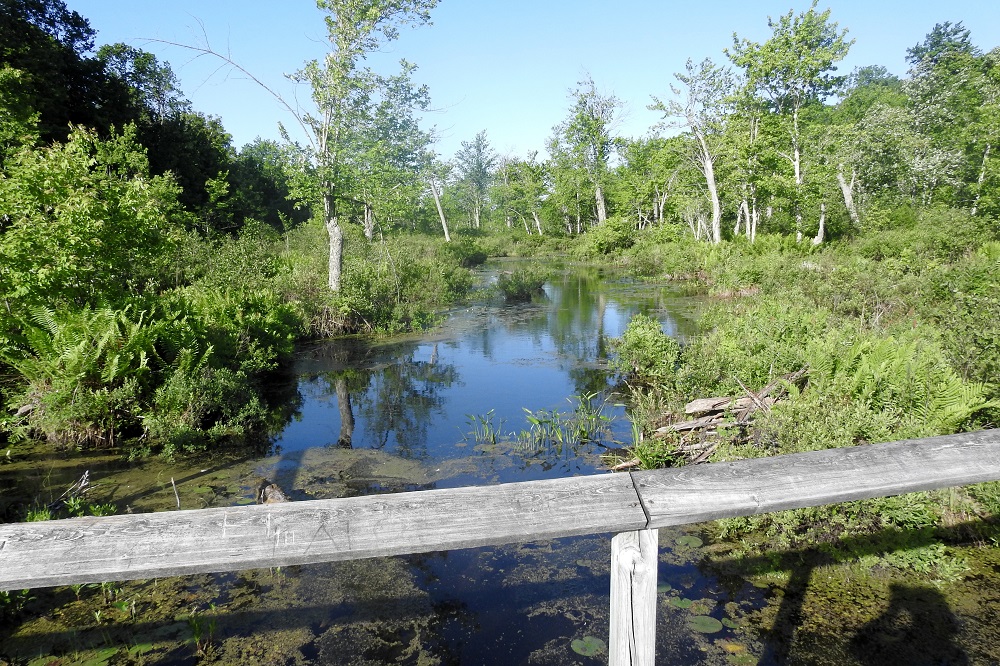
<point>433,411</point>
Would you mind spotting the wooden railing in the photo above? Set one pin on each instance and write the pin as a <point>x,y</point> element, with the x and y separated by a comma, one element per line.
<point>630,505</point>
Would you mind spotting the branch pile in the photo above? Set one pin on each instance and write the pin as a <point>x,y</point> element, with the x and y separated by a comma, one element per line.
<point>700,436</point>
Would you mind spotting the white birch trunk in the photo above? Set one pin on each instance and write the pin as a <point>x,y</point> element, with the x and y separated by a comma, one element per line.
<point>602,211</point>
<point>821,232</point>
<point>336,234</point>
<point>982,177</point>
<point>847,189</point>
<point>437,202</point>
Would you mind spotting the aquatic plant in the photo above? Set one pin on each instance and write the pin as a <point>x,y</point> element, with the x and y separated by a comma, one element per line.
<point>484,430</point>
<point>689,541</point>
<point>588,646</point>
<point>704,624</point>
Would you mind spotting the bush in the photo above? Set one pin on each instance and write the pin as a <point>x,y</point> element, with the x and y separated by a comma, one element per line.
<point>521,284</point>
<point>615,235</point>
<point>644,354</point>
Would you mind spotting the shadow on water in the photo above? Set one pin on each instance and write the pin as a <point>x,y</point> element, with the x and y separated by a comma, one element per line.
<point>916,626</point>
<point>366,418</point>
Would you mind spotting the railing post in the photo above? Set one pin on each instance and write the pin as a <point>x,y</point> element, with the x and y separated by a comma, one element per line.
<point>633,598</point>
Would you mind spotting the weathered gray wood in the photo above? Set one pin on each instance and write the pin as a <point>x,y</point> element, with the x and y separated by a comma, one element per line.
<point>705,405</point>
<point>704,422</point>
<point>632,640</point>
<point>723,490</point>
<point>127,547</point>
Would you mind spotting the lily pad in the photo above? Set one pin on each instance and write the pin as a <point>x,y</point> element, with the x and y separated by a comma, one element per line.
<point>588,646</point>
<point>663,587</point>
<point>704,624</point>
<point>680,602</point>
<point>730,623</point>
<point>689,541</point>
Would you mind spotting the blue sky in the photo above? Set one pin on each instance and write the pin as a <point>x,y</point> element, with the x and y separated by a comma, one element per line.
<point>504,66</point>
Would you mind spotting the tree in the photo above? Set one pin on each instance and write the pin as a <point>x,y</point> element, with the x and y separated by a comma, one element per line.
<point>706,102</point>
<point>385,153</point>
<point>953,96</point>
<point>792,69</point>
<point>154,88</point>
<point>945,41</point>
<point>585,138</point>
<point>84,223</point>
<point>474,162</point>
<point>50,46</point>
<point>341,93</point>
<point>519,189</point>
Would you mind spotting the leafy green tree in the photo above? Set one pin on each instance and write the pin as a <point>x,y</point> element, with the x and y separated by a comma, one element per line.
<point>953,93</point>
<point>50,45</point>
<point>84,223</point>
<point>386,149</point>
<point>198,151</point>
<point>585,139</point>
<point>518,191</point>
<point>341,88</point>
<point>474,163</point>
<point>707,92</point>
<point>261,188</point>
<point>792,69</point>
<point>154,89</point>
<point>18,120</point>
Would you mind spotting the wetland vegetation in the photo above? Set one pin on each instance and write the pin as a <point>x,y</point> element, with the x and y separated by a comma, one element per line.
<point>182,318</point>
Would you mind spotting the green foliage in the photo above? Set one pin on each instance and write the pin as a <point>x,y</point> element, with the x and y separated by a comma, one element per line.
<point>465,252</point>
<point>84,372</point>
<point>521,284</point>
<point>616,234</point>
<point>644,354</point>
<point>84,223</point>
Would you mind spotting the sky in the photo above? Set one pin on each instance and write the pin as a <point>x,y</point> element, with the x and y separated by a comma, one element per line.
<point>503,66</point>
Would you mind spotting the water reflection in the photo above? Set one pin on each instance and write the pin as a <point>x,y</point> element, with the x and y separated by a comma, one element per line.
<point>415,398</point>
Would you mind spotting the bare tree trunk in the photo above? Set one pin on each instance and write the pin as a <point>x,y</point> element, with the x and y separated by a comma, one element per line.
<point>538,223</point>
<point>708,170</point>
<point>982,177</point>
<point>437,202</point>
<point>743,212</point>
<point>847,189</point>
<point>476,213</point>
<point>369,222</point>
<point>821,232</point>
<point>524,221</point>
<point>336,235</point>
<point>602,211</point>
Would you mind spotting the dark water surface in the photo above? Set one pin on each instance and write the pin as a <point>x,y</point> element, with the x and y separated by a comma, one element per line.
<point>403,415</point>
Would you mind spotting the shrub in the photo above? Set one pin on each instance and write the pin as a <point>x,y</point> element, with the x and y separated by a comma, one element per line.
<point>644,354</point>
<point>521,284</point>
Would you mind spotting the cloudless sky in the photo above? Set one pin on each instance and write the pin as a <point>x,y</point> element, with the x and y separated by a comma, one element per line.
<point>504,66</point>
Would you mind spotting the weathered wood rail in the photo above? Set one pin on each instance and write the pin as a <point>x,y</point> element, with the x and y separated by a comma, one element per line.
<point>632,505</point>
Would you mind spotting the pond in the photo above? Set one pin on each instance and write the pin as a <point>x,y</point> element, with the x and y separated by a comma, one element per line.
<point>460,406</point>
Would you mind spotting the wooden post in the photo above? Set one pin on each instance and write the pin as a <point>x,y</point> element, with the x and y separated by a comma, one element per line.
<point>633,598</point>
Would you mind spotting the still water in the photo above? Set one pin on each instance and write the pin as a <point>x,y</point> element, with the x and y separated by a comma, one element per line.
<point>431,411</point>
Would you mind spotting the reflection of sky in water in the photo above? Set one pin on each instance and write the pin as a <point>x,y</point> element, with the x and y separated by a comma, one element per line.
<point>414,398</point>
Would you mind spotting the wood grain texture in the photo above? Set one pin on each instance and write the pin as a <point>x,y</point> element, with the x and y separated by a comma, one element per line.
<point>632,638</point>
<point>128,547</point>
<point>698,493</point>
